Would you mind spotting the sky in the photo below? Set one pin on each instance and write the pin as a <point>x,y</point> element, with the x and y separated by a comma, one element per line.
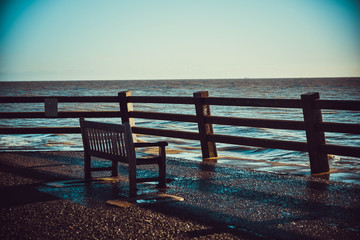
<point>178,39</point>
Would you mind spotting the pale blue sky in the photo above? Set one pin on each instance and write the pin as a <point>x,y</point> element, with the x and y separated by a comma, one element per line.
<point>182,39</point>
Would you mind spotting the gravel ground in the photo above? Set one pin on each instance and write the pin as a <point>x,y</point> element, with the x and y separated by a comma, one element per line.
<point>43,197</point>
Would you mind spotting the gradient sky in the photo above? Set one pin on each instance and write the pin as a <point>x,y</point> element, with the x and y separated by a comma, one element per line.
<point>179,39</point>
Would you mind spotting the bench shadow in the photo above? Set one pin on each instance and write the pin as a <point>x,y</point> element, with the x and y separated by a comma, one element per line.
<point>208,183</point>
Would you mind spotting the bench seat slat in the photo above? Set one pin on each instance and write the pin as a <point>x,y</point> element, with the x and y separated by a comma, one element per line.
<point>101,169</point>
<point>108,156</point>
<point>147,161</point>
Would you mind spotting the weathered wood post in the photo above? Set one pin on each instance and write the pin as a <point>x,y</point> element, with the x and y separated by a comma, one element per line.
<point>125,107</point>
<point>208,148</point>
<point>51,107</point>
<point>315,137</point>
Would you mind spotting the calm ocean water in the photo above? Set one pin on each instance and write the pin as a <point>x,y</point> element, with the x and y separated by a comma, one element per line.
<point>286,162</point>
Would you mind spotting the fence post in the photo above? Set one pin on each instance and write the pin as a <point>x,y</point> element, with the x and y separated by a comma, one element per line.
<point>315,138</point>
<point>125,107</point>
<point>51,107</point>
<point>208,148</point>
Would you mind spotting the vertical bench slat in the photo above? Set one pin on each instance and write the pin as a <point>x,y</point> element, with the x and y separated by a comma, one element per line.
<point>113,143</point>
<point>93,133</point>
<point>105,140</point>
<point>98,133</point>
<point>123,149</point>
<point>95,139</point>
<point>111,140</point>
<point>108,141</point>
<point>99,137</point>
<point>118,144</point>
<point>91,138</point>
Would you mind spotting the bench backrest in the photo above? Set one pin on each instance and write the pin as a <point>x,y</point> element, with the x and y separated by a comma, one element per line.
<point>107,140</point>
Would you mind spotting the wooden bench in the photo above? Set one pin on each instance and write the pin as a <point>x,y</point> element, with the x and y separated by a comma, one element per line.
<point>115,142</point>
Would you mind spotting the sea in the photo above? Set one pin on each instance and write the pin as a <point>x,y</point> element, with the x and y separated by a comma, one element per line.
<point>343,169</point>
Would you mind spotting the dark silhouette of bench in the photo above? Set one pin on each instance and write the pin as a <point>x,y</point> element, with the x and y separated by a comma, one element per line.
<point>114,142</point>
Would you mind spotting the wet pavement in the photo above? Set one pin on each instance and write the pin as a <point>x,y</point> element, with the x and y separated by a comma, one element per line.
<point>43,196</point>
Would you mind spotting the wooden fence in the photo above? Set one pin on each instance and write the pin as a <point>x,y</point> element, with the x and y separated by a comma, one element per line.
<point>310,103</point>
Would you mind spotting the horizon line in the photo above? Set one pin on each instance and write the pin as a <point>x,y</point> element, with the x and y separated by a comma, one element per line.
<point>181,79</point>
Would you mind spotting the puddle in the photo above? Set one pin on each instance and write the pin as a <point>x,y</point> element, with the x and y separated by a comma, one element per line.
<point>68,183</point>
<point>72,183</point>
<point>145,200</point>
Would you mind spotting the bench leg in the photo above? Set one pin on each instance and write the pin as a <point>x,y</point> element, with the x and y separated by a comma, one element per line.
<point>132,176</point>
<point>115,168</point>
<point>87,167</point>
<point>162,168</point>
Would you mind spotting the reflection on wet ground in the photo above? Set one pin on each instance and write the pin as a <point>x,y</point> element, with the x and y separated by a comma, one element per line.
<point>259,204</point>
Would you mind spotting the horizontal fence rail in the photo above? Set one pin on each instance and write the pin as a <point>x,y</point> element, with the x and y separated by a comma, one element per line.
<point>101,114</point>
<point>64,99</point>
<point>41,130</point>
<point>310,104</point>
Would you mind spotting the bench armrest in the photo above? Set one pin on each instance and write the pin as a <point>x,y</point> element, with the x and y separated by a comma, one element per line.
<point>154,144</point>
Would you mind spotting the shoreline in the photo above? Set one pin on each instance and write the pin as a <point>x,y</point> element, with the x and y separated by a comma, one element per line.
<point>266,166</point>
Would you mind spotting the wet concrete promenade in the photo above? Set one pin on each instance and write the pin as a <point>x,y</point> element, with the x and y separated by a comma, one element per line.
<point>43,196</point>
